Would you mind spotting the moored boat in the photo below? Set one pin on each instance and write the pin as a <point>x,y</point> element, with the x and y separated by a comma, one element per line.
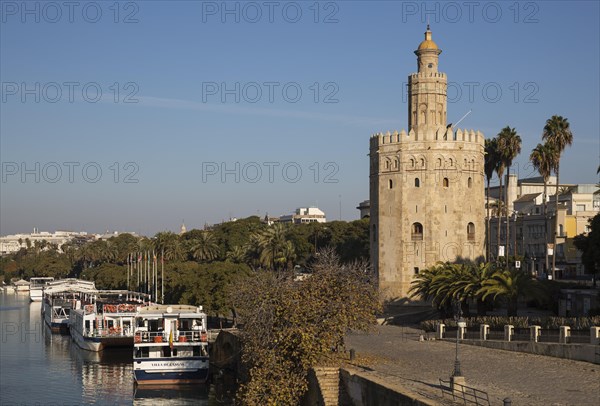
<point>170,345</point>
<point>60,296</point>
<point>106,320</point>
<point>36,287</point>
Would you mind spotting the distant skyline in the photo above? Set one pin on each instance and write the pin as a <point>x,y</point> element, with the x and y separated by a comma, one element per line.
<point>210,110</point>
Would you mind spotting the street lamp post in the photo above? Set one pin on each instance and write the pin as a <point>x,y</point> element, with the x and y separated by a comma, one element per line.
<point>460,323</point>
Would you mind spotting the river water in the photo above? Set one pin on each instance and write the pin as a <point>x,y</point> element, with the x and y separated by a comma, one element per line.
<point>38,367</point>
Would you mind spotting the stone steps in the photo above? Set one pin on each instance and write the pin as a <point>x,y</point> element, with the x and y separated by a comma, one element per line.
<point>329,384</point>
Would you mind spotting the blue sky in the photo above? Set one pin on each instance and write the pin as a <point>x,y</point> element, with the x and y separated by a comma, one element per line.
<point>174,123</point>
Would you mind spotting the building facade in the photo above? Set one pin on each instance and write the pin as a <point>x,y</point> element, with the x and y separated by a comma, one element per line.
<point>304,215</point>
<point>426,186</point>
<point>530,231</point>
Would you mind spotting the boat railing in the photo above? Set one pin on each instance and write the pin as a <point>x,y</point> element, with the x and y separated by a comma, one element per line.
<point>108,332</point>
<point>180,336</point>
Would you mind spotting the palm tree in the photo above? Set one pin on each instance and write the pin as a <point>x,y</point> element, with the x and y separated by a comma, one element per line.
<point>275,249</point>
<point>204,247</point>
<point>542,158</point>
<point>511,285</point>
<point>237,254</point>
<point>558,133</point>
<point>500,166</point>
<point>509,145</point>
<point>491,161</point>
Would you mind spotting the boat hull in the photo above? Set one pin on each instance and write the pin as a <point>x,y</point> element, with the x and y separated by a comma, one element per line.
<point>100,343</point>
<point>161,371</point>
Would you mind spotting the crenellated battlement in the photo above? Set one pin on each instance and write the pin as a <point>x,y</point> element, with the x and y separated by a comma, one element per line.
<point>421,75</point>
<point>431,134</point>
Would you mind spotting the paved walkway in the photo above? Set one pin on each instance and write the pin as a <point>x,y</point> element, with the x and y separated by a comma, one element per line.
<point>396,354</point>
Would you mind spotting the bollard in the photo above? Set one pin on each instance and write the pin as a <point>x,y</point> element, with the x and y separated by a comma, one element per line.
<point>507,402</point>
<point>352,354</point>
<point>508,332</point>
<point>565,333</point>
<point>462,329</point>
<point>595,335</point>
<point>534,333</point>
<point>484,331</point>
<point>441,329</point>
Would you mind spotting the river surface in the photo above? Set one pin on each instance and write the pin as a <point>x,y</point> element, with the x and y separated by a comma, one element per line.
<point>38,367</point>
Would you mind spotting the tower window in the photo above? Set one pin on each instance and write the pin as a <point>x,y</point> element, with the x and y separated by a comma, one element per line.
<point>417,182</point>
<point>416,270</point>
<point>446,182</point>
<point>417,232</point>
<point>471,232</point>
<point>390,184</point>
<point>470,183</point>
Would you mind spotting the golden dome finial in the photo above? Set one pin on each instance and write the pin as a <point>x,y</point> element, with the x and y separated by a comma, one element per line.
<point>428,42</point>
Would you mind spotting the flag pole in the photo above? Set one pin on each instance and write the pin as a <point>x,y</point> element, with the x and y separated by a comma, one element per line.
<point>162,268</point>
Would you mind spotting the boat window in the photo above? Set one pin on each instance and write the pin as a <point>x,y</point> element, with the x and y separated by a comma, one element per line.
<point>142,352</point>
<point>196,351</point>
<point>166,352</point>
<point>174,352</point>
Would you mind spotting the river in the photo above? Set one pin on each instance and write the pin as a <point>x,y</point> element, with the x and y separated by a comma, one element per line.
<point>38,367</point>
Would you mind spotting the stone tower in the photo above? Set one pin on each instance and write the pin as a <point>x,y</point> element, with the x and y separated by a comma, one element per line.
<point>426,186</point>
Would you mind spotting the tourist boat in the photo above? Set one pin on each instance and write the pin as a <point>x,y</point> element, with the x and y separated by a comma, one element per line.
<point>60,296</point>
<point>106,319</point>
<point>36,287</point>
<point>170,345</point>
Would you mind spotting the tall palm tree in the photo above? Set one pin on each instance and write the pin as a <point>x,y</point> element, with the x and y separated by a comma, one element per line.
<point>542,158</point>
<point>491,161</point>
<point>558,133</point>
<point>509,145</point>
<point>500,167</point>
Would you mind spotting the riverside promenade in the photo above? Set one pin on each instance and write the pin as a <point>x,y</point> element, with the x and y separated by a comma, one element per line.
<point>395,354</point>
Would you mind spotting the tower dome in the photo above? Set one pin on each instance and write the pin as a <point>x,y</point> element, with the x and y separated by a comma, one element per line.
<point>428,42</point>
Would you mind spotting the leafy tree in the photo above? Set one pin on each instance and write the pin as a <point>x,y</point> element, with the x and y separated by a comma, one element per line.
<point>589,245</point>
<point>557,132</point>
<point>291,326</point>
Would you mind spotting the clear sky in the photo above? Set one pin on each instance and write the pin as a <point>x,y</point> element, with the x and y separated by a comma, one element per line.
<point>172,100</point>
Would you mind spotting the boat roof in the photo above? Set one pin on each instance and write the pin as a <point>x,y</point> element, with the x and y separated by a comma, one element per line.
<point>171,310</point>
<point>70,285</point>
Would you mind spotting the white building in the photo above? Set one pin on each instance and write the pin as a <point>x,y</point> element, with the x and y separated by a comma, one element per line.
<point>304,215</point>
<point>13,243</point>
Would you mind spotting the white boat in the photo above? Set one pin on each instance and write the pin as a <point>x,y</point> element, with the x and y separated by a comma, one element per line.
<point>21,286</point>
<point>106,320</point>
<point>60,296</point>
<point>170,345</point>
<point>36,287</point>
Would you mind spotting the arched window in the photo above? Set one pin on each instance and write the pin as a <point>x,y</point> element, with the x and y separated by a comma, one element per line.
<point>470,183</point>
<point>417,232</point>
<point>470,231</point>
<point>387,164</point>
<point>422,163</point>
<point>446,182</point>
<point>390,184</point>
<point>417,182</point>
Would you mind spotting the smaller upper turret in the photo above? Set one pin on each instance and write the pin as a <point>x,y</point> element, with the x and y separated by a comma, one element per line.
<point>427,54</point>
